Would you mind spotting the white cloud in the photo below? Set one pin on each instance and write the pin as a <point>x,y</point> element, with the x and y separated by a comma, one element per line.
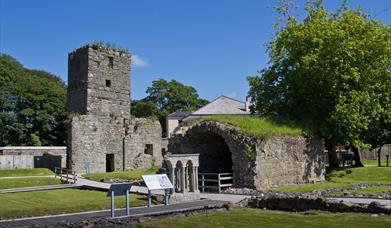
<point>232,95</point>
<point>139,62</point>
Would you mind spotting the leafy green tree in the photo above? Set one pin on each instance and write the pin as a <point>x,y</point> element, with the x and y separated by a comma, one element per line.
<point>165,97</point>
<point>174,96</point>
<point>143,108</point>
<point>32,106</point>
<point>330,71</point>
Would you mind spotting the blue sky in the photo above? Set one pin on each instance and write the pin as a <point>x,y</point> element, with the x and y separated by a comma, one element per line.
<point>212,45</point>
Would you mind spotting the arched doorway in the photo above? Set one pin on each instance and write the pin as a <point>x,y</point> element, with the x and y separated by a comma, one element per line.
<point>179,180</point>
<point>215,155</point>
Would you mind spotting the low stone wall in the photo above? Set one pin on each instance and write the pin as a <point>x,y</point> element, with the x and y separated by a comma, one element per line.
<point>289,160</point>
<point>22,157</point>
<point>287,202</point>
<point>373,154</point>
<point>16,161</point>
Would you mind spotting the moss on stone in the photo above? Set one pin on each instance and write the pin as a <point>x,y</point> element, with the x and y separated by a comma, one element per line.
<point>257,126</point>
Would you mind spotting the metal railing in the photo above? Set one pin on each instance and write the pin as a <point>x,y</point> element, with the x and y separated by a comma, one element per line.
<point>66,176</point>
<point>214,181</point>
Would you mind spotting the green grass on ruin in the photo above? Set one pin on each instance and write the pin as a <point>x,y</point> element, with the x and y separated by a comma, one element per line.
<point>52,202</point>
<point>128,175</point>
<point>247,217</point>
<point>257,126</point>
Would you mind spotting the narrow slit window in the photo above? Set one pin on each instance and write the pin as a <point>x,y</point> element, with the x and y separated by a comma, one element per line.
<point>111,62</point>
<point>108,83</point>
<point>148,149</point>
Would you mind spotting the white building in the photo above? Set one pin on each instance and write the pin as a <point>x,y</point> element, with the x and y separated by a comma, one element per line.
<point>222,105</point>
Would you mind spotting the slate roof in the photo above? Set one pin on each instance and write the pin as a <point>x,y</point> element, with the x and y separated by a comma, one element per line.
<point>222,105</point>
<point>179,114</point>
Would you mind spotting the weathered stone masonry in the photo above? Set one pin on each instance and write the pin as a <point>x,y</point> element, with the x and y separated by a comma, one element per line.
<point>255,163</point>
<point>102,136</point>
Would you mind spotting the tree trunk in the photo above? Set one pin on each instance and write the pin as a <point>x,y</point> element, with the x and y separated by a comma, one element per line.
<point>378,156</point>
<point>332,152</point>
<point>357,159</point>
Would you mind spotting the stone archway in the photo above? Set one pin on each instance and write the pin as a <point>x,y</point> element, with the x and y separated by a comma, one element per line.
<point>215,155</point>
<point>221,149</point>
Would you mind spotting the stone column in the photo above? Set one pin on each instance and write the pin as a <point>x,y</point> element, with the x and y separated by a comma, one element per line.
<point>196,179</point>
<point>177,180</point>
<point>172,174</point>
<point>187,178</point>
<point>183,179</point>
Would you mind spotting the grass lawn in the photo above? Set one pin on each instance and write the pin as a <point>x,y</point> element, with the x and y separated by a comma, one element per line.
<point>6,183</point>
<point>379,175</point>
<point>258,126</point>
<point>368,163</point>
<point>366,191</point>
<point>311,187</point>
<point>50,202</point>
<point>25,172</point>
<point>128,175</point>
<point>266,218</point>
<point>343,177</point>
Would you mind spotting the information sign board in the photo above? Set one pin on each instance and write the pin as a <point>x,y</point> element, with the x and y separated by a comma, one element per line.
<point>119,189</point>
<point>157,181</point>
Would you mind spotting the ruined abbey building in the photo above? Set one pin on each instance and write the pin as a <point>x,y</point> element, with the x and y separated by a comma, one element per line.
<point>257,163</point>
<point>101,134</point>
<point>103,137</point>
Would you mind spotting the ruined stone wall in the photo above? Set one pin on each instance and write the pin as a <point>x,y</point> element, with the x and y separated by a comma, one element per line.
<point>95,136</point>
<point>90,138</point>
<point>256,163</point>
<point>144,132</point>
<point>289,160</point>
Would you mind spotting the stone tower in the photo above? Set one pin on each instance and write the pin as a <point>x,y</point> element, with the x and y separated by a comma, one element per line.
<point>101,135</point>
<point>99,82</point>
<point>99,105</point>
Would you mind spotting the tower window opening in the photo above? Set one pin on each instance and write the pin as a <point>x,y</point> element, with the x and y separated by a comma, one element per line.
<point>111,62</point>
<point>108,83</point>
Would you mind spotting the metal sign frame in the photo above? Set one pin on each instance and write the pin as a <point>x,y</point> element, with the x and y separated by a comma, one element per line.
<point>119,189</point>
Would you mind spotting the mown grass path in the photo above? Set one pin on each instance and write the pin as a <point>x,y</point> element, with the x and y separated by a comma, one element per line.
<point>266,218</point>
<point>51,202</point>
<point>19,178</point>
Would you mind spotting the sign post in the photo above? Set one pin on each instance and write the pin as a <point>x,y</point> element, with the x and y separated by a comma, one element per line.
<point>112,204</point>
<point>119,189</point>
<point>149,198</point>
<point>157,182</point>
<point>166,197</point>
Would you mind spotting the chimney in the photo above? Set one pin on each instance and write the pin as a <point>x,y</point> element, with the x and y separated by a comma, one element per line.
<point>247,104</point>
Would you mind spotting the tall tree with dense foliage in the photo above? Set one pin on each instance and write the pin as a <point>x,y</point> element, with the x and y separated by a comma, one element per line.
<point>332,72</point>
<point>32,106</point>
<point>165,97</point>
